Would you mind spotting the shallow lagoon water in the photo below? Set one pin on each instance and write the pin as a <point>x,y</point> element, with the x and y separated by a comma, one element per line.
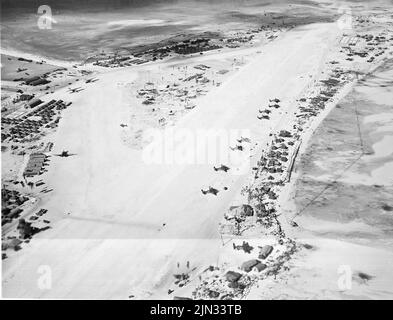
<point>346,174</point>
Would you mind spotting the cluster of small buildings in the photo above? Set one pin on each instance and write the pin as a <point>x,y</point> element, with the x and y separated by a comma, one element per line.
<point>118,61</point>
<point>184,47</point>
<point>362,45</point>
<point>236,41</point>
<point>35,165</point>
<point>25,128</point>
<point>195,77</point>
<point>330,87</point>
<point>11,200</point>
<point>145,54</point>
<point>274,160</point>
<point>231,283</point>
<point>30,123</point>
<point>34,81</point>
<point>202,67</point>
<point>23,97</point>
<point>148,94</point>
<point>260,210</point>
<point>269,173</point>
<point>193,46</point>
<point>26,230</point>
<point>152,95</point>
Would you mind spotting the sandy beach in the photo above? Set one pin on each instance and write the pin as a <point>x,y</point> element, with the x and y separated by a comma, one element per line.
<point>343,214</point>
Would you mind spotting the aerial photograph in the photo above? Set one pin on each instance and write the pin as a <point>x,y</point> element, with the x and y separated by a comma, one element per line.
<point>197,150</point>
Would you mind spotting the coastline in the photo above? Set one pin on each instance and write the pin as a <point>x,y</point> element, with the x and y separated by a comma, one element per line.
<point>65,228</point>
<point>116,211</point>
<point>38,58</point>
<point>352,245</point>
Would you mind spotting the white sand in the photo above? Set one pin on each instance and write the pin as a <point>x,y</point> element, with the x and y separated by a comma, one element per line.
<point>117,204</point>
<point>339,247</point>
<point>331,272</point>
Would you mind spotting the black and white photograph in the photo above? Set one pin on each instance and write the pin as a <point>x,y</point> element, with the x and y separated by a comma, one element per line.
<point>205,150</point>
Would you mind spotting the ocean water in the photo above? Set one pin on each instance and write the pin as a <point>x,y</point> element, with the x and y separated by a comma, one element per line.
<point>346,173</point>
<point>79,29</point>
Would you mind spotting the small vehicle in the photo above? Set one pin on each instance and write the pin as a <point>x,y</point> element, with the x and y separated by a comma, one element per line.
<point>91,80</point>
<point>210,190</point>
<point>221,168</point>
<point>238,147</point>
<point>74,90</point>
<point>41,212</point>
<point>64,154</point>
<point>242,139</point>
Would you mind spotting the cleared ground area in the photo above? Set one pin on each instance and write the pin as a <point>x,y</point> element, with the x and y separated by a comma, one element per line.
<point>116,208</point>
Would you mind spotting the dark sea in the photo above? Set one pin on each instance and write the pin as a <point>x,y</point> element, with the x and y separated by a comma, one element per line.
<point>74,30</point>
